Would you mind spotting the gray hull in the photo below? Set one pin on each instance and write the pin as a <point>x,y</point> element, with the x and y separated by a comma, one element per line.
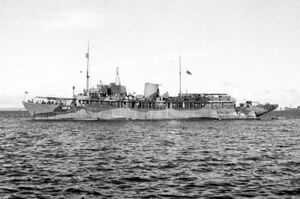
<point>51,112</point>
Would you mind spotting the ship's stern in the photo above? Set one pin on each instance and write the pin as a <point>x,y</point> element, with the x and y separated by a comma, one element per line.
<point>263,109</point>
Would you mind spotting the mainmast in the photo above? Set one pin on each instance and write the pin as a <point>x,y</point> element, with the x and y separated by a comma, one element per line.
<point>179,75</point>
<point>117,81</point>
<point>87,55</point>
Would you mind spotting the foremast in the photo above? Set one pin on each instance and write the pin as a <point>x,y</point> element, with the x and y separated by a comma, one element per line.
<point>87,56</point>
<point>180,75</point>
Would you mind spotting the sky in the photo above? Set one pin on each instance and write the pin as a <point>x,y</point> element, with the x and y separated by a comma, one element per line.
<point>247,48</point>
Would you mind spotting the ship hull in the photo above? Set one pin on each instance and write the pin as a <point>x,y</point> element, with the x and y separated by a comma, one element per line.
<point>104,113</point>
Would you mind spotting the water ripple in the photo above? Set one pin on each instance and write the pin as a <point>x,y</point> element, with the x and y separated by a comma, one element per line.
<point>163,159</point>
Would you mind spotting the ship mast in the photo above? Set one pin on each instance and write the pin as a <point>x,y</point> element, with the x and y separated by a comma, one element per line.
<point>87,55</point>
<point>117,81</point>
<point>179,75</point>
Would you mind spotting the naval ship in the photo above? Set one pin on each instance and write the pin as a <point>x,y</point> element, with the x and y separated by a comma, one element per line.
<point>113,102</point>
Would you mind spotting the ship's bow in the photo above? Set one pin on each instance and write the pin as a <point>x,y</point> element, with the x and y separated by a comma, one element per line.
<point>34,108</point>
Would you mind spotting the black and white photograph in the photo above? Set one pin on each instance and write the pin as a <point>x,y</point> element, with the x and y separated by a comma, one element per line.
<point>149,99</point>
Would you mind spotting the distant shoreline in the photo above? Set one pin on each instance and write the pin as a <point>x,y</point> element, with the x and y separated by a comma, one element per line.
<point>12,109</point>
<point>290,113</point>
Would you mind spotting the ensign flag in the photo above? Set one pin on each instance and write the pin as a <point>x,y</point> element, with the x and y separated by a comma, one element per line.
<point>188,72</point>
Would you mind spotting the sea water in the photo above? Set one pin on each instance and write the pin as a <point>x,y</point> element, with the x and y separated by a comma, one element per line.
<point>149,159</point>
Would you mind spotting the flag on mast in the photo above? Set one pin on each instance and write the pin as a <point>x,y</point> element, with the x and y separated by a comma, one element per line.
<point>188,72</point>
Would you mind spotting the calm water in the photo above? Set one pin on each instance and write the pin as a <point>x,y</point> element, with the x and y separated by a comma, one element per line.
<point>166,159</point>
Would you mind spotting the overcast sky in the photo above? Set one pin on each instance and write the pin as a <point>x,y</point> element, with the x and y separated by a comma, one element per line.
<point>247,48</point>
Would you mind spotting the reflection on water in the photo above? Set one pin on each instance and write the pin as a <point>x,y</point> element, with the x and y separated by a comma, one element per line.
<point>166,159</point>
